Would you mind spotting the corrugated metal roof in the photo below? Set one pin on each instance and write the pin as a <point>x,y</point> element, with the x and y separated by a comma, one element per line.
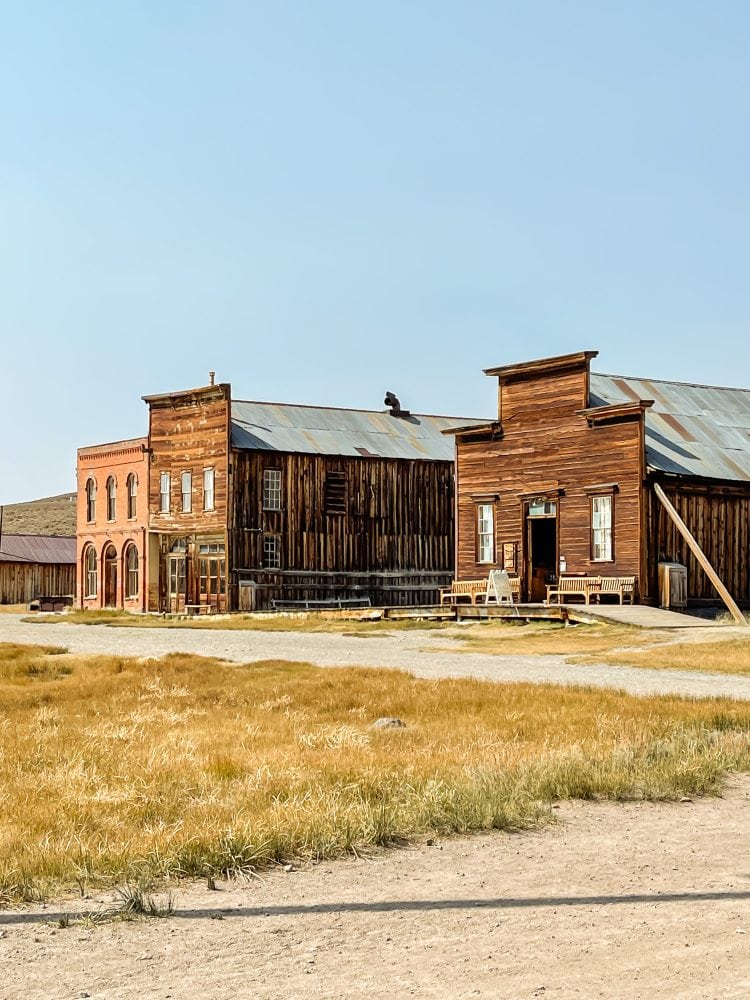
<point>691,430</point>
<point>37,549</point>
<point>321,430</point>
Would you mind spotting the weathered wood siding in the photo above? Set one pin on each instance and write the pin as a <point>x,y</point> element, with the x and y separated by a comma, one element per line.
<point>548,449</point>
<point>22,582</point>
<point>398,520</point>
<point>718,516</point>
<point>188,432</point>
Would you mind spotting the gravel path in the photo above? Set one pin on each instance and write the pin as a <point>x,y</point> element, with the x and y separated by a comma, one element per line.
<point>425,654</point>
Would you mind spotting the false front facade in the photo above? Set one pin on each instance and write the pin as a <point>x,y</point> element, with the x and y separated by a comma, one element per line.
<point>566,481</point>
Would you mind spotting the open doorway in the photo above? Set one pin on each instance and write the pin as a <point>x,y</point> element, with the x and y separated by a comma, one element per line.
<point>541,549</point>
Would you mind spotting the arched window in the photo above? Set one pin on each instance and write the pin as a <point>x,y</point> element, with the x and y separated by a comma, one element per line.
<point>111,498</point>
<point>90,576</point>
<point>90,500</point>
<point>132,487</point>
<point>131,571</point>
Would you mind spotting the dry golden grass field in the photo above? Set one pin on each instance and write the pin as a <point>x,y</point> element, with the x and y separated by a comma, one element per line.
<point>730,656</point>
<point>119,770</point>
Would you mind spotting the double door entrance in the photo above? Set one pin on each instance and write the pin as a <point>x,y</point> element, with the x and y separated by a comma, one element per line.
<point>194,576</point>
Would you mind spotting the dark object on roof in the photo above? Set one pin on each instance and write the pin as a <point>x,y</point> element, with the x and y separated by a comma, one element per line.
<point>37,549</point>
<point>391,400</point>
<point>691,430</point>
<point>320,430</point>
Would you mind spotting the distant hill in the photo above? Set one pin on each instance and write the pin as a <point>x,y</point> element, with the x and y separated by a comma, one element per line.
<point>48,516</point>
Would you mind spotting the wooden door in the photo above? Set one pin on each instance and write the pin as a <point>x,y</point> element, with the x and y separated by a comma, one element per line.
<point>176,583</point>
<point>110,577</point>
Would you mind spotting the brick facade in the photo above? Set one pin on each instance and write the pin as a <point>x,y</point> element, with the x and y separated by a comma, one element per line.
<point>109,523</point>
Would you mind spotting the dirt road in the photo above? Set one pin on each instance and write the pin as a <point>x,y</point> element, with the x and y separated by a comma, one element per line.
<point>615,901</point>
<point>426,654</point>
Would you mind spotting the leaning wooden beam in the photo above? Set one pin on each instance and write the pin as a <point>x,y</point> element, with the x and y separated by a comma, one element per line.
<point>700,555</point>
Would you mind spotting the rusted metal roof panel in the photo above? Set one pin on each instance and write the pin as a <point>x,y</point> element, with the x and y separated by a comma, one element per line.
<point>691,430</point>
<point>37,549</point>
<point>321,430</point>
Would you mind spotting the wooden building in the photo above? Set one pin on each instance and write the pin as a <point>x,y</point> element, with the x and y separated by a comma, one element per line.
<point>566,480</point>
<point>112,523</point>
<point>33,566</point>
<point>255,505</point>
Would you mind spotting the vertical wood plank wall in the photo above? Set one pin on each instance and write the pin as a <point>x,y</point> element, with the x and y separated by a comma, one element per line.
<point>719,518</point>
<point>22,582</point>
<point>398,520</point>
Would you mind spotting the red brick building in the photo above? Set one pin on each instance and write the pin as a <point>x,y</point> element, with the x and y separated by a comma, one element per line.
<point>112,523</point>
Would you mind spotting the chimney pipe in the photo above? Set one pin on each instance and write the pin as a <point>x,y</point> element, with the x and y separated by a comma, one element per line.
<point>211,378</point>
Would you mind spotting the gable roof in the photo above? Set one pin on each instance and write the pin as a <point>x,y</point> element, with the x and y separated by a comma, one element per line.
<point>691,430</point>
<point>322,430</point>
<point>37,549</point>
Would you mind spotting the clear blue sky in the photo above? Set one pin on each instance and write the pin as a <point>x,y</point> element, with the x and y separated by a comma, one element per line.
<point>325,200</point>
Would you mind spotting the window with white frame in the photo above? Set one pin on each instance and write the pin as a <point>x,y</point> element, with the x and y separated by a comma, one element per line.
<point>271,551</point>
<point>131,572</point>
<point>132,491</point>
<point>272,489</point>
<point>485,533</point>
<point>601,528</point>
<point>165,489</point>
<point>91,585</point>
<point>111,498</point>
<point>187,492</point>
<point>209,481</point>
<point>91,500</point>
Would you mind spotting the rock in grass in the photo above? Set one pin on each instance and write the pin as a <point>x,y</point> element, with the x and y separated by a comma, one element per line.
<point>387,723</point>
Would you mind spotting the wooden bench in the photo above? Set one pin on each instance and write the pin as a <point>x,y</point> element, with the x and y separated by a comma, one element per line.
<point>472,591</point>
<point>200,609</point>
<point>573,586</point>
<point>615,586</point>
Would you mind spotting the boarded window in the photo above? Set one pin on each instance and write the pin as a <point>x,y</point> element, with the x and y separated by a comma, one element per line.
<point>272,489</point>
<point>334,493</point>
<point>90,500</point>
<point>271,551</point>
<point>132,487</point>
<point>209,480</point>
<point>485,533</point>
<point>131,572</point>
<point>165,488</point>
<point>187,492</point>
<point>601,528</point>
<point>111,499</point>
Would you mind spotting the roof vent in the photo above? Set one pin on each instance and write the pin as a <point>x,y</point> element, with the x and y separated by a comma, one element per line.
<point>211,378</point>
<point>391,400</point>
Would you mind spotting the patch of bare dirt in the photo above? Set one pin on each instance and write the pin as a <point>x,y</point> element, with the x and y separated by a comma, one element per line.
<point>617,900</point>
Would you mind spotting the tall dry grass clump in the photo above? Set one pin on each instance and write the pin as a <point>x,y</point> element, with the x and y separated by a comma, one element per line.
<point>116,769</point>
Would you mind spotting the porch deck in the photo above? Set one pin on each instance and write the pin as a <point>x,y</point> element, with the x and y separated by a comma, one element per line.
<point>639,615</point>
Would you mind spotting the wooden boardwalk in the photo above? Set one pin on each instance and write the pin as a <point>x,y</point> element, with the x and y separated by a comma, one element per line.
<point>639,615</point>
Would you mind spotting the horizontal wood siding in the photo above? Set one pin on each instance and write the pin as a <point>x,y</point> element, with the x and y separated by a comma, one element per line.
<point>548,449</point>
<point>719,519</point>
<point>23,582</point>
<point>398,519</point>
<point>188,432</point>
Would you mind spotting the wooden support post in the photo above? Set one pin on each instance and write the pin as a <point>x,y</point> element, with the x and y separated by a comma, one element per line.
<point>700,555</point>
